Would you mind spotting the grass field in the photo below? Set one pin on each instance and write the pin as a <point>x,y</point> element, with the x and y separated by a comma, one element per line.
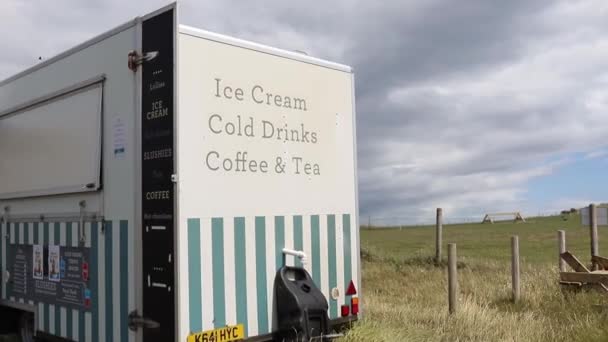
<point>405,294</point>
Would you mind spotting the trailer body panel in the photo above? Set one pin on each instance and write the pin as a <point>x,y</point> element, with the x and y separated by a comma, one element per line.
<point>265,162</point>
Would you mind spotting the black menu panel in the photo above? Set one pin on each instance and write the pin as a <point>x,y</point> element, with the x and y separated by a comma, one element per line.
<point>157,167</point>
<point>50,274</point>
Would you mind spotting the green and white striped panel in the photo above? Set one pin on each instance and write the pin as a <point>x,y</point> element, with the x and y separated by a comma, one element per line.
<point>110,272</point>
<point>232,263</point>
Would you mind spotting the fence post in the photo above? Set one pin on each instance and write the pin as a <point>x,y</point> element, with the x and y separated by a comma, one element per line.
<point>438,234</point>
<point>593,231</point>
<point>561,245</point>
<point>452,278</point>
<point>515,267</point>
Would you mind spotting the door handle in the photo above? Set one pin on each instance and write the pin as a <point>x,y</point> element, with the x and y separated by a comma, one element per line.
<point>136,321</point>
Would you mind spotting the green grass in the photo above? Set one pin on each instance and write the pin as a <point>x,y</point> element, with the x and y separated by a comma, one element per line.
<point>405,293</point>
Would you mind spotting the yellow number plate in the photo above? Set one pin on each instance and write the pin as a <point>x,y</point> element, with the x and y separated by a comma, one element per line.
<point>225,334</point>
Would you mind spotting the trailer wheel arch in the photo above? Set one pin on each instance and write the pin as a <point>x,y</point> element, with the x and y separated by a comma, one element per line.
<point>26,325</point>
<point>10,319</point>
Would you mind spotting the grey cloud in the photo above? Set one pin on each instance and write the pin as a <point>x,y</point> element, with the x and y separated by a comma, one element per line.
<point>451,96</point>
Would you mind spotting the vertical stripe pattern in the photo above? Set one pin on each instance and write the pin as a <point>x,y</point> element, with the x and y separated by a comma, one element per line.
<point>240,260</point>
<point>232,263</point>
<point>298,239</point>
<point>217,237</point>
<point>251,274</point>
<point>331,255</point>
<point>194,274</point>
<point>109,305</point>
<point>12,233</point>
<point>47,238</point>
<point>316,249</point>
<point>348,263</point>
<point>261,283</point>
<point>229,275</point>
<point>279,240</point>
<point>124,280</point>
<point>57,313</point>
<point>93,336</point>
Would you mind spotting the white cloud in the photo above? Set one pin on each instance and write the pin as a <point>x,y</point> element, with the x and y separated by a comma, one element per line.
<point>596,154</point>
<point>460,105</point>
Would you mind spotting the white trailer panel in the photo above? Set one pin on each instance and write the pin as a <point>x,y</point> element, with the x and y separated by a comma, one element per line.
<point>265,156</point>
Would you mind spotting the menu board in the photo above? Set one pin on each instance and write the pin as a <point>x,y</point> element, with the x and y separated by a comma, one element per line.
<point>157,167</point>
<point>49,273</point>
<point>19,272</point>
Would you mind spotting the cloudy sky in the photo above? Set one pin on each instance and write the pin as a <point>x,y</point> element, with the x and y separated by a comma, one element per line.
<point>474,105</point>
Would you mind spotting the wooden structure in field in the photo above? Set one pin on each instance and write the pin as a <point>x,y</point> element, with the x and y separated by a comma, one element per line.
<point>597,274</point>
<point>491,217</point>
<point>582,276</point>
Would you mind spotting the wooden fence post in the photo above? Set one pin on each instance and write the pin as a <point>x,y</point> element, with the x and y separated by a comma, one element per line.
<point>561,245</point>
<point>593,231</point>
<point>452,278</point>
<point>438,234</point>
<point>515,267</point>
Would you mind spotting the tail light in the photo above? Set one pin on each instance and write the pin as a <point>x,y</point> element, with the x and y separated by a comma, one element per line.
<point>354,305</point>
<point>345,310</point>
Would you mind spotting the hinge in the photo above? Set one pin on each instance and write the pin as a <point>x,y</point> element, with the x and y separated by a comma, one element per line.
<point>4,217</point>
<point>7,209</point>
<point>81,231</point>
<point>135,59</point>
<point>136,321</point>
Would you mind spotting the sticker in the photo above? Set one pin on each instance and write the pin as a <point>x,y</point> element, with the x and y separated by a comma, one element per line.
<point>54,263</point>
<point>38,265</point>
<point>85,271</point>
<point>119,137</point>
<point>62,268</point>
<point>87,297</point>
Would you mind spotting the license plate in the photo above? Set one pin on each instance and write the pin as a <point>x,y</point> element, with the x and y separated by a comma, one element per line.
<point>225,334</point>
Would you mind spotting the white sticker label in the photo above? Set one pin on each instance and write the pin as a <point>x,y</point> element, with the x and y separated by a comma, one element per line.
<point>38,267</point>
<point>119,137</point>
<point>54,263</point>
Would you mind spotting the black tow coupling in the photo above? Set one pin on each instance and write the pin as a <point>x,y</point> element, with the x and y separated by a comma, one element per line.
<point>301,307</point>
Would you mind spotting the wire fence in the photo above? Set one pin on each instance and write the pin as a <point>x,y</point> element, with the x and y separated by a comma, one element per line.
<point>401,222</point>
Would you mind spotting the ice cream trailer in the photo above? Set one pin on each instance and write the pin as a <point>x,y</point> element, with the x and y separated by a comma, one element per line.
<point>155,178</point>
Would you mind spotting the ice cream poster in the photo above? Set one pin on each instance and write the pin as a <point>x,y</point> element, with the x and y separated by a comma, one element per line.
<point>38,264</point>
<point>54,266</point>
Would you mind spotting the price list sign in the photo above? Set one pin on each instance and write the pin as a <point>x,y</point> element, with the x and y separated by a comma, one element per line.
<point>49,274</point>
<point>157,161</point>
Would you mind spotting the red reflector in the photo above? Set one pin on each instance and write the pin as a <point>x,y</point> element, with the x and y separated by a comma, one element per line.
<point>85,271</point>
<point>345,310</point>
<point>351,289</point>
<point>354,305</point>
